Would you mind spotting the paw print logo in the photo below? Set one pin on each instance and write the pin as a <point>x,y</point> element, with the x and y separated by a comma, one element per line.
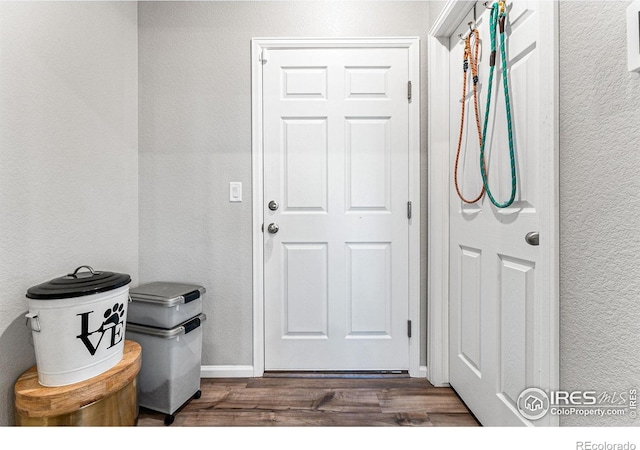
<point>113,316</point>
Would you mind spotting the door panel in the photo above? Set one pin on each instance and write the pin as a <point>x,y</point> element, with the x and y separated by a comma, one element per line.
<point>336,159</point>
<point>305,304</point>
<point>516,325</point>
<point>469,320</point>
<point>368,143</point>
<point>304,82</point>
<point>305,164</point>
<point>368,290</point>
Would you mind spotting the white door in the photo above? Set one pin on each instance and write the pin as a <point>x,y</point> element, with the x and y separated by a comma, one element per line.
<point>336,152</point>
<point>501,289</point>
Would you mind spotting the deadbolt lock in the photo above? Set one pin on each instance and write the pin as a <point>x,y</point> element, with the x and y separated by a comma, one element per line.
<point>273,205</point>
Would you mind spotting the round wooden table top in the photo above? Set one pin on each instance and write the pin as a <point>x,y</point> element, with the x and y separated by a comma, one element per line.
<point>34,400</point>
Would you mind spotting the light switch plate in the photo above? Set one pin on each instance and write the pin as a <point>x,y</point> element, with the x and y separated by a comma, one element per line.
<point>633,36</point>
<point>235,191</point>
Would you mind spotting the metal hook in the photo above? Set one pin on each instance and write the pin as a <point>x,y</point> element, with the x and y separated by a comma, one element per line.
<point>488,7</point>
<point>461,35</point>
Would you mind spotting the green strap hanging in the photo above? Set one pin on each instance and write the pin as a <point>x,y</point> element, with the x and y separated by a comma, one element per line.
<point>498,13</point>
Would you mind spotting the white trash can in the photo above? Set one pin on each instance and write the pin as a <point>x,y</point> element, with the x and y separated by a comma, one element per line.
<point>78,325</point>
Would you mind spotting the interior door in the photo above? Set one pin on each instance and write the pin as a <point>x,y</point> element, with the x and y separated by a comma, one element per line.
<point>500,285</point>
<point>336,230</point>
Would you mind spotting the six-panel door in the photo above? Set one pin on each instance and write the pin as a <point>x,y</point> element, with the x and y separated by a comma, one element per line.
<point>336,162</point>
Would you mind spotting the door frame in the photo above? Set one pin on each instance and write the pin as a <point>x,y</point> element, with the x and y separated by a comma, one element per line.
<point>259,52</point>
<point>439,146</point>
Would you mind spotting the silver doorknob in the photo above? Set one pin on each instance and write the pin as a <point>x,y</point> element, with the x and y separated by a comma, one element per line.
<point>273,205</point>
<point>532,238</point>
<point>273,228</point>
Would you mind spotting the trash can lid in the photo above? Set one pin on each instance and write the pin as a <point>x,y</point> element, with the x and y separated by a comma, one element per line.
<point>78,284</point>
<point>166,294</point>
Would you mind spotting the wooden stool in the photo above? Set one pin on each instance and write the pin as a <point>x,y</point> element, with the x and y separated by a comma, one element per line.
<point>109,399</point>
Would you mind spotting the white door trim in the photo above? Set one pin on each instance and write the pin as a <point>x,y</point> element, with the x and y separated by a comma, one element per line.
<point>438,194</point>
<point>260,47</point>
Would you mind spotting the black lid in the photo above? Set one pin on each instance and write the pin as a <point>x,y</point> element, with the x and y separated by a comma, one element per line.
<point>78,284</point>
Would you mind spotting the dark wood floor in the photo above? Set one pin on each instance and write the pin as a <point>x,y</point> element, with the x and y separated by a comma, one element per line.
<point>318,401</point>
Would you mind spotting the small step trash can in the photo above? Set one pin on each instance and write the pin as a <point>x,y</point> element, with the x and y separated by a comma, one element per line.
<point>166,320</point>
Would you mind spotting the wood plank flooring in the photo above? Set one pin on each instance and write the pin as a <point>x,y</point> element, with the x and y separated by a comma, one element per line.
<point>318,401</point>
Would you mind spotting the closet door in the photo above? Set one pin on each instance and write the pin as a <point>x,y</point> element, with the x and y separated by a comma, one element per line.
<point>500,282</point>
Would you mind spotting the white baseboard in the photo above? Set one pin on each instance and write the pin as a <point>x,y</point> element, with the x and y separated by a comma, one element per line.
<point>226,372</point>
<point>422,372</point>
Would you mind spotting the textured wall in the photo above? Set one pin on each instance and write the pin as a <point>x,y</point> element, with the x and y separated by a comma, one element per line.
<point>195,137</point>
<point>599,204</point>
<point>68,155</point>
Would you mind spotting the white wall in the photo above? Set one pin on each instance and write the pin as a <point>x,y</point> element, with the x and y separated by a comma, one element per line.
<point>68,155</point>
<point>195,137</point>
<point>599,205</point>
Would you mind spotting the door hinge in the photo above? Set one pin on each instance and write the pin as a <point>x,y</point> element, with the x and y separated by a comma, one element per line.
<point>409,210</point>
<point>409,328</point>
<point>263,57</point>
<point>409,90</point>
